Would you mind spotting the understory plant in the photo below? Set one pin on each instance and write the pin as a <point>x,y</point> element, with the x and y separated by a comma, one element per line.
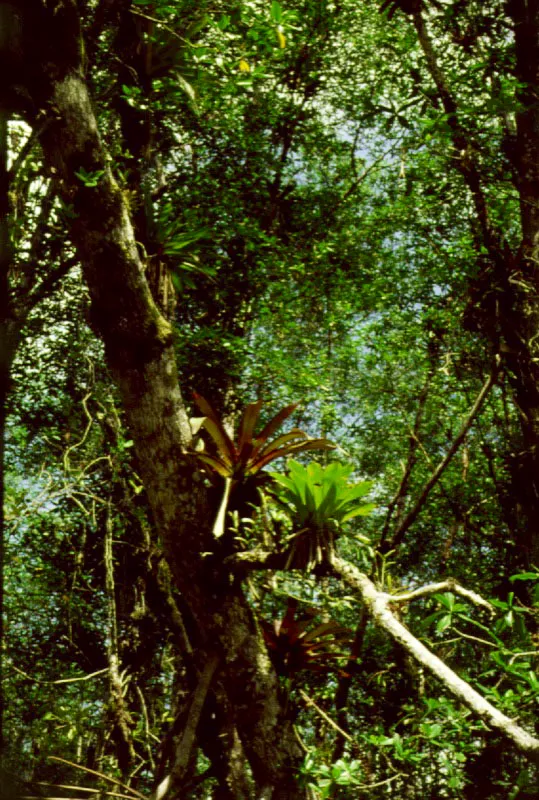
<point>295,642</point>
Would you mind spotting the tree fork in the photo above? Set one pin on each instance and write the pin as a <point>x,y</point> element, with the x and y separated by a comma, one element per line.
<point>139,349</point>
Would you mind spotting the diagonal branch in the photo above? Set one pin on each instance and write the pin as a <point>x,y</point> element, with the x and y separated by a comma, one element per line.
<point>412,457</point>
<point>378,606</point>
<point>411,517</point>
<point>185,746</point>
<point>44,288</point>
<point>461,140</point>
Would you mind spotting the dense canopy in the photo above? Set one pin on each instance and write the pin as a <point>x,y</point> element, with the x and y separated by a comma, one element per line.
<point>269,375</point>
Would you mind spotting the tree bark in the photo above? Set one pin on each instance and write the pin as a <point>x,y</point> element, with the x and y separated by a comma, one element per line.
<point>139,349</point>
<point>524,362</point>
<point>505,297</point>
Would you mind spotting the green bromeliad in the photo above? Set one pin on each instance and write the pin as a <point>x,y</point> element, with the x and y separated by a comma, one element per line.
<point>319,500</point>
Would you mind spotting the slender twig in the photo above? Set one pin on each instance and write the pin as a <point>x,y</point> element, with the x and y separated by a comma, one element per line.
<point>462,141</point>
<point>412,456</point>
<point>80,788</point>
<point>325,716</point>
<point>60,680</point>
<point>360,178</point>
<point>411,517</point>
<point>161,24</point>
<point>345,682</point>
<point>132,792</point>
<point>67,465</point>
<point>475,638</point>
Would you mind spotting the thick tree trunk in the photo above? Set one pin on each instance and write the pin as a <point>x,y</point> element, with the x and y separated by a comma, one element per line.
<point>524,356</point>
<point>139,349</point>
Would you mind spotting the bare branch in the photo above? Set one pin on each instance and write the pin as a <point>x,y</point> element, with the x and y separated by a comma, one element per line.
<point>378,605</point>
<point>129,789</point>
<point>449,585</point>
<point>411,517</point>
<point>60,680</point>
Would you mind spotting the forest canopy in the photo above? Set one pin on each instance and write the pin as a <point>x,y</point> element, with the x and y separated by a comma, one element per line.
<point>269,375</point>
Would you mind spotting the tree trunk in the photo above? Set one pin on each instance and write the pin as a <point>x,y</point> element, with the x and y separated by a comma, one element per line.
<point>139,349</point>
<point>523,323</point>
<point>505,296</point>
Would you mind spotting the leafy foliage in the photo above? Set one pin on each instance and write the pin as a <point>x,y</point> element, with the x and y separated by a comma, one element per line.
<point>305,219</point>
<point>295,644</point>
<point>319,500</point>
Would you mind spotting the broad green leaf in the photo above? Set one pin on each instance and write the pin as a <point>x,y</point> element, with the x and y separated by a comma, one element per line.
<point>362,511</point>
<point>276,11</point>
<point>443,623</point>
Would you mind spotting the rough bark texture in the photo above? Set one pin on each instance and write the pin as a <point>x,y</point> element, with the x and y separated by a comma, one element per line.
<point>139,348</point>
<point>525,277</point>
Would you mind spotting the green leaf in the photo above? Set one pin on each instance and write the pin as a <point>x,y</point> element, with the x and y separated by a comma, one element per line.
<point>276,11</point>
<point>443,623</point>
<point>525,576</point>
<point>362,511</point>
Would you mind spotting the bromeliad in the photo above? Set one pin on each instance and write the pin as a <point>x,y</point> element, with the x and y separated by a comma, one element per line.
<point>319,501</point>
<point>240,461</point>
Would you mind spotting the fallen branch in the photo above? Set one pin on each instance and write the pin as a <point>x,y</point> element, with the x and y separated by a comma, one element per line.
<point>378,605</point>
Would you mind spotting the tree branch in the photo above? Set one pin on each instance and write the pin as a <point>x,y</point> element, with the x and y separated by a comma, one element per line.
<point>185,746</point>
<point>449,585</point>
<point>411,517</point>
<point>412,456</point>
<point>461,140</point>
<point>378,605</point>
